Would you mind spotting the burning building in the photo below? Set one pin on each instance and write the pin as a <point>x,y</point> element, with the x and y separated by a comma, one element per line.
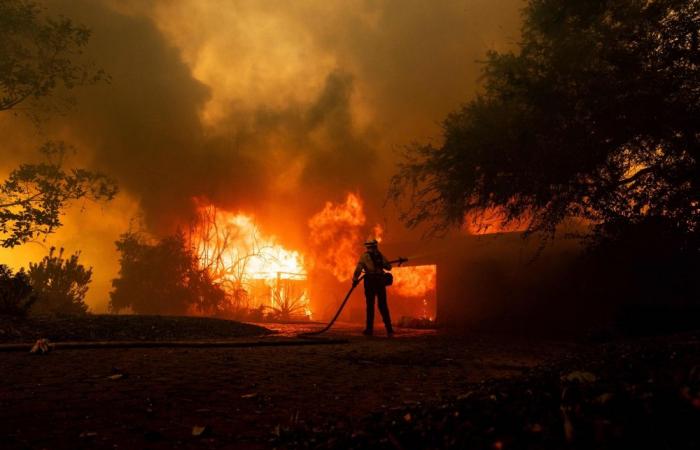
<point>254,270</point>
<point>261,275</point>
<point>492,280</point>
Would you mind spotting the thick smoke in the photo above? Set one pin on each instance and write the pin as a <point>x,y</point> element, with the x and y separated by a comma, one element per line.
<point>271,108</point>
<point>372,76</point>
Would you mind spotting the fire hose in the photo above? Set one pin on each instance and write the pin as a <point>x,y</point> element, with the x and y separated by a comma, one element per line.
<point>337,314</point>
<point>342,305</point>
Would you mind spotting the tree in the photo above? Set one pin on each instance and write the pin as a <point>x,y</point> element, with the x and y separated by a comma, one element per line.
<point>595,116</point>
<point>39,54</point>
<point>162,278</point>
<point>16,296</point>
<point>60,284</point>
<point>34,196</point>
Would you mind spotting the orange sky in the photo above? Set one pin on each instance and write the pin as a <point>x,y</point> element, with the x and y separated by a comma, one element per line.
<point>267,107</point>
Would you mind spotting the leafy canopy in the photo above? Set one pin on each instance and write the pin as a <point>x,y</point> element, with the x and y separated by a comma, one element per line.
<point>34,196</point>
<point>16,296</point>
<point>596,116</point>
<point>39,54</point>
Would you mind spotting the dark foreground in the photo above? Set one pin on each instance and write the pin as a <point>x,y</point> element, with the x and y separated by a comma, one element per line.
<point>104,327</point>
<point>641,395</point>
<point>419,390</point>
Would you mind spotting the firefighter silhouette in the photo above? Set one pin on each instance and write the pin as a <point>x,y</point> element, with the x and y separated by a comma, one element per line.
<point>373,264</point>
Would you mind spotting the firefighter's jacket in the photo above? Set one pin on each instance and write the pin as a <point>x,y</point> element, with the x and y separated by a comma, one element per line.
<point>371,265</point>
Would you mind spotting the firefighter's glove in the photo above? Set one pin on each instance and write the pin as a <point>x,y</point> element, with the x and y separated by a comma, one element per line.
<point>355,282</point>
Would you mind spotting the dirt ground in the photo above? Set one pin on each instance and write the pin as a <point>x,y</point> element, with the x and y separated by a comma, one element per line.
<point>239,398</point>
<point>112,327</point>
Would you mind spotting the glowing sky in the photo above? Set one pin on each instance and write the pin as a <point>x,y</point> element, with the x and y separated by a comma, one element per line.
<point>271,107</point>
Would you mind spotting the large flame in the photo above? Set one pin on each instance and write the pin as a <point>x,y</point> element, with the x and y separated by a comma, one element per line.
<point>242,260</point>
<point>417,286</point>
<point>257,272</point>
<point>336,236</point>
<point>416,281</point>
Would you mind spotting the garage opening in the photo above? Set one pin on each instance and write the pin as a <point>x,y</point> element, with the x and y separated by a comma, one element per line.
<point>413,296</point>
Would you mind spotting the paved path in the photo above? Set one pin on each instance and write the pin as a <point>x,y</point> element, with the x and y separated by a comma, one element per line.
<point>152,398</point>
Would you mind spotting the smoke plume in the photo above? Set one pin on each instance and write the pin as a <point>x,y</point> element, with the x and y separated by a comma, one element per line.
<point>272,108</point>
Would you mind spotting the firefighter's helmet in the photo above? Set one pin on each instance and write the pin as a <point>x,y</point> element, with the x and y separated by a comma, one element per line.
<point>371,243</point>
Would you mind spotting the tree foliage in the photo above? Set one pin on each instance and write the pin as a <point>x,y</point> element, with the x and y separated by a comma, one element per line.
<point>596,116</point>
<point>162,278</point>
<point>16,296</point>
<point>60,284</point>
<point>34,196</point>
<point>39,54</point>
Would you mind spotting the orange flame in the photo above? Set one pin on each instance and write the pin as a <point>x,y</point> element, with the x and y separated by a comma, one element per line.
<point>336,236</point>
<point>415,281</point>
<point>234,241</point>
<point>236,253</point>
<point>417,287</point>
<point>377,233</point>
<point>257,271</point>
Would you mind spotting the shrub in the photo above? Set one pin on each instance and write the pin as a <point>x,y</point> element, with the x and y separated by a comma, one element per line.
<point>16,296</point>
<point>162,277</point>
<point>60,284</point>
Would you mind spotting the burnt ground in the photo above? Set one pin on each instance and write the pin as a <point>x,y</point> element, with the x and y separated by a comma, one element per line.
<point>420,389</point>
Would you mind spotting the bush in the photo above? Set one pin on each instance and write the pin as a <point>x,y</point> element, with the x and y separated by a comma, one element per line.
<point>60,284</point>
<point>163,277</point>
<point>16,296</point>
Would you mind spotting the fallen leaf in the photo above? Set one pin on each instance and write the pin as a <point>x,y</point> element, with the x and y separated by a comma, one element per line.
<point>201,430</point>
<point>465,396</point>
